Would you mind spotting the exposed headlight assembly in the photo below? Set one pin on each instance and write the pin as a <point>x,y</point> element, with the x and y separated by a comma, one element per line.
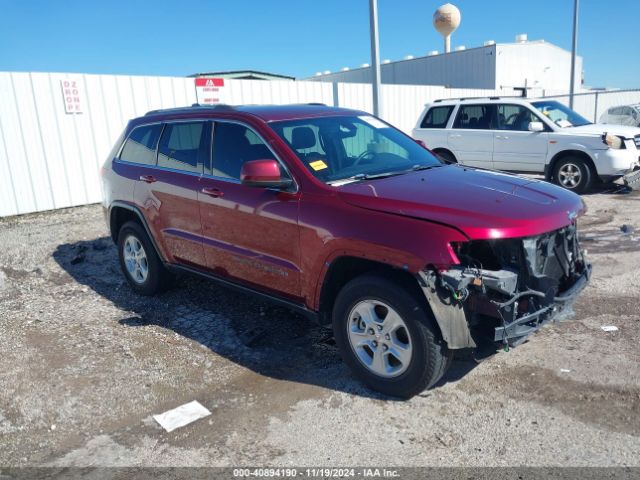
<point>613,141</point>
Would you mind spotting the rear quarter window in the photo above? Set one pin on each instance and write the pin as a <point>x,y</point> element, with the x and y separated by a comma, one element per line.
<point>437,117</point>
<point>140,146</point>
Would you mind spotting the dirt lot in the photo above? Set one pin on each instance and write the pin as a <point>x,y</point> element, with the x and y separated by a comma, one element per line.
<point>84,364</point>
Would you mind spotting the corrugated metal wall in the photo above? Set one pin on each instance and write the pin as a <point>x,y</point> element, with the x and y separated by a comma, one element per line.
<point>535,64</point>
<point>593,104</point>
<point>51,159</point>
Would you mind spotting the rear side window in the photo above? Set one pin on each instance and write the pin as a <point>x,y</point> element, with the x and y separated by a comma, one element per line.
<point>437,117</point>
<point>140,147</point>
<point>182,146</point>
<point>478,117</point>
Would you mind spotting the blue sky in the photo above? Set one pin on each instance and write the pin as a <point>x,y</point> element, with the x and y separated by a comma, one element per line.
<point>295,37</point>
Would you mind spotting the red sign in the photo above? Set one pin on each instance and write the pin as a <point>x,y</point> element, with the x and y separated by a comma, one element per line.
<point>208,90</point>
<point>209,82</point>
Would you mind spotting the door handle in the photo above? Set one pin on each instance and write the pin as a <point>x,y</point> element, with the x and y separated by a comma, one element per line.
<point>455,135</point>
<point>213,192</point>
<point>148,178</point>
<point>502,137</point>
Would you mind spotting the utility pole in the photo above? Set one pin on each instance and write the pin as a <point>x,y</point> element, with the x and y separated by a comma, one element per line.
<point>574,46</point>
<point>375,55</point>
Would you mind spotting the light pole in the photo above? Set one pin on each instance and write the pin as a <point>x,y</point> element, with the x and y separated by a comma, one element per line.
<point>375,55</point>
<point>574,45</point>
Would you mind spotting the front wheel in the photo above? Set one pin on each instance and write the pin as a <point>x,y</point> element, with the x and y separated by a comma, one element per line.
<point>387,337</point>
<point>573,174</point>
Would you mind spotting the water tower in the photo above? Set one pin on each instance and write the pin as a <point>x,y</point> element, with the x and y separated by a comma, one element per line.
<point>446,20</point>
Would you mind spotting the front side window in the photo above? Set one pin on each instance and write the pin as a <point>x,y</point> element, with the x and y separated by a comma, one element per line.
<point>344,148</point>
<point>437,117</point>
<point>475,117</point>
<point>515,117</point>
<point>140,147</point>
<point>233,145</point>
<point>183,146</point>
<point>559,114</point>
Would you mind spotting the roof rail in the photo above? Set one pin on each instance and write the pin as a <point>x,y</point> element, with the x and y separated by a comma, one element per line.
<point>219,106</point>
<point>461,99</point>
<point>319,104</point>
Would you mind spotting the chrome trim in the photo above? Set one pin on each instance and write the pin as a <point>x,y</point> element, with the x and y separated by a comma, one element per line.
<point>204,174</point>
<point>166,169</point>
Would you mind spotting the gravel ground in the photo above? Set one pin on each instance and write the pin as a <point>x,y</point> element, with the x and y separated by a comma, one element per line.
<point>85,363</point>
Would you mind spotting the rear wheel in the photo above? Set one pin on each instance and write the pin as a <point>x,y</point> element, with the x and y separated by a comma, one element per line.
<point>445,156</point>
<point>387,337</point>
<point>139,261</point>
<point>573,174</point>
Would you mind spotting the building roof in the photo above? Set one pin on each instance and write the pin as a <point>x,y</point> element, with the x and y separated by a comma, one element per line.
<point>439,54</point>
<point>245,75</point>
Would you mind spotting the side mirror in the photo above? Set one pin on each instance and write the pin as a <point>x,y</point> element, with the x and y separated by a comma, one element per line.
<point>263,173</point>
<point>421,143</point>
<point>536,127</point>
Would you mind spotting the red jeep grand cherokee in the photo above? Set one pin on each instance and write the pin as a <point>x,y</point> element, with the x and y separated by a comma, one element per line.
<point>344,218</point>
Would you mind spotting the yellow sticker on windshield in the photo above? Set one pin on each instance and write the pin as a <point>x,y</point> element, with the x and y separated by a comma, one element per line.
<point>318,165</point>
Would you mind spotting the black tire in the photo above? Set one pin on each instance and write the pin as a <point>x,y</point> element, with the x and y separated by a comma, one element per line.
<point>583,176</point>
<point>430,356</point>
<point>445,156</point>
<point>158,278</point>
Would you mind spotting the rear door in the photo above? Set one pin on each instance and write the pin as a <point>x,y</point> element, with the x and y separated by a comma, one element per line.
<point>169,193</point>
<point>471,137</point>
<point>250,233</point>
<point>515,148</point>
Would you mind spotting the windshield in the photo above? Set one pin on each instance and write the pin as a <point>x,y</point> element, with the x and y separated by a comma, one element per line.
<point>342,149</point>
<point>560,115</point>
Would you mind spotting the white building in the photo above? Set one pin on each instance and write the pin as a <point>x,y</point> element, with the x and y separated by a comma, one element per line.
<point>523,64</point>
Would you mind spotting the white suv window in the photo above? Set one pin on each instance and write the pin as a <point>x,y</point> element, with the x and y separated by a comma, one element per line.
<point>437,117</point>
<point>476,117</point>
<point>515,117</point>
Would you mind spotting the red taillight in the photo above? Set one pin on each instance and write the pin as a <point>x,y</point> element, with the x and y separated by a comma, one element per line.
<point>421,143</point>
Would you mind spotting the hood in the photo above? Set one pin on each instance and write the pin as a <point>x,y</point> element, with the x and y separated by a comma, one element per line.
<point>482,204</point>
<point>600,128</point>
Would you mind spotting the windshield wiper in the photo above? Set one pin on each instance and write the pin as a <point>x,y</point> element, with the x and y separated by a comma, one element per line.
<point>416,168</point>
<point>365,176</point>
<point>372,176</point>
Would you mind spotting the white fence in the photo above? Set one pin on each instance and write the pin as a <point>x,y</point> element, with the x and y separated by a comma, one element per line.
<point>592,105</point>
<point>50,159</point>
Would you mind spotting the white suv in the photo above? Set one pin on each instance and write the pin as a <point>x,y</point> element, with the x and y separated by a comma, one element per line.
<point>520,135</point>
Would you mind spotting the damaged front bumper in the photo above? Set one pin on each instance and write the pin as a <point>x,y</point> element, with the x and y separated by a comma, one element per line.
<point>504,290</point>
<point>632,180</point>
<point>517,329</point>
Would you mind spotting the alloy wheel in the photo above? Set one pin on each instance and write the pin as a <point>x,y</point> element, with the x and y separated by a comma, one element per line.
<point>380,338</point>
<point>569,175</point>
<point>135,259</point>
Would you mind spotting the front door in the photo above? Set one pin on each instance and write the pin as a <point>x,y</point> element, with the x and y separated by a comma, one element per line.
<point>250,234</point>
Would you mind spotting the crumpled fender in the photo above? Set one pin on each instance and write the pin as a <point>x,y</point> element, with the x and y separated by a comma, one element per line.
<point>449,315</point>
